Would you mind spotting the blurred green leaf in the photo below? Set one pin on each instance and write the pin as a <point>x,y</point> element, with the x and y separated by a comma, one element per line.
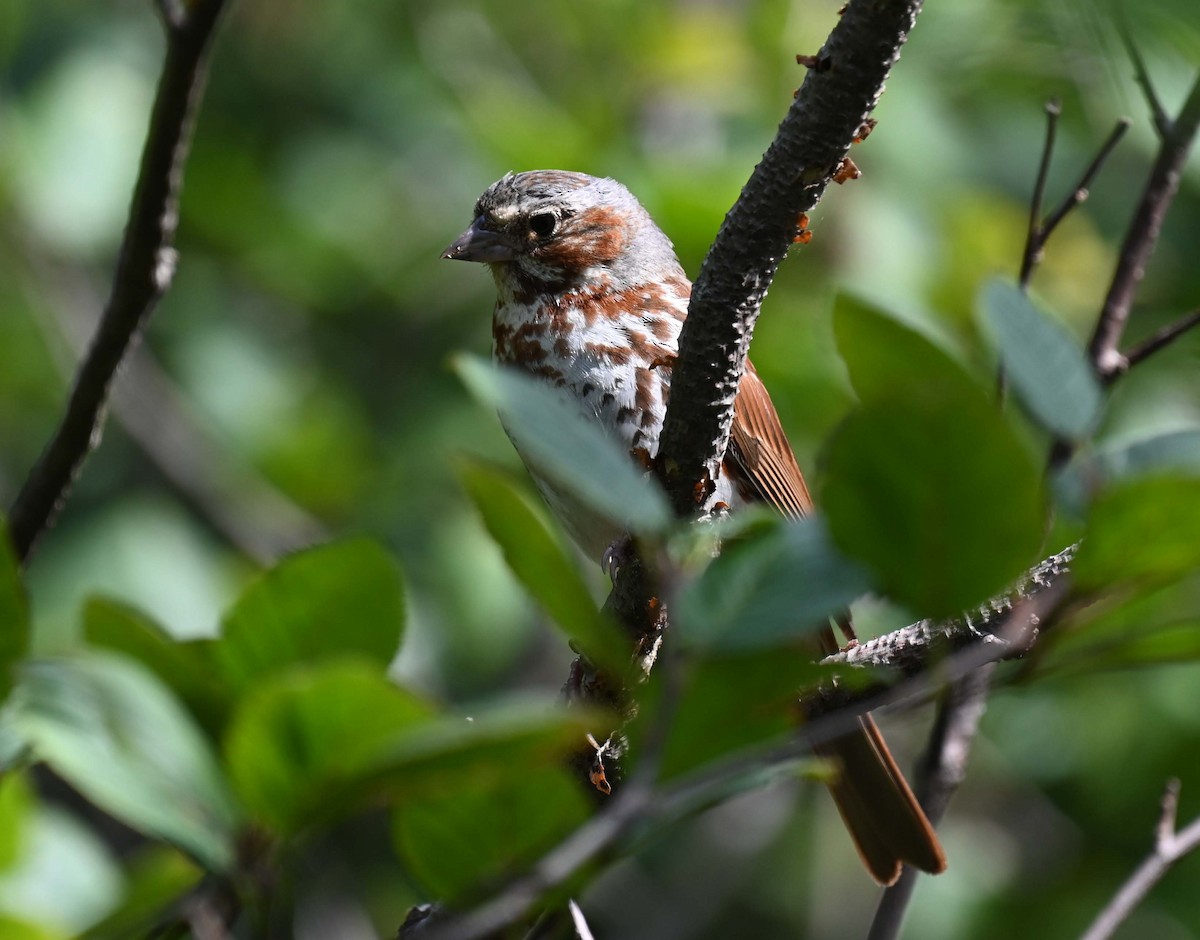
<point>570,450</point>
<point>157,878</point>
<point>16,801</point>
<point>1142,530</point>
<point>939,497</point>
<point>543,564</point>
<point>115,733</point>
<point>11,928</point>
<point>14,614</point>
<point>186,666</point>
<point>496,737</point>
<point>731,703</point>
<point>1046,365</point>
<point>344,598</point>
<point>784,581</point>
<point>474,831</point>
<point>886,357</point>
<point>301,738</point>
<point>1173,452</point>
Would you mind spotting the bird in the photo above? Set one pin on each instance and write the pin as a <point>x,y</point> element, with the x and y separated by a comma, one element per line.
<point>590,299</point>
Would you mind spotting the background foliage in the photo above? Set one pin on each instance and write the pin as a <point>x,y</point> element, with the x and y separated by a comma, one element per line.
<point>306,345</point>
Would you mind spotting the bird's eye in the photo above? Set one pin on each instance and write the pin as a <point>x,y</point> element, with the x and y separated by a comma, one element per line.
<point>543,224</point>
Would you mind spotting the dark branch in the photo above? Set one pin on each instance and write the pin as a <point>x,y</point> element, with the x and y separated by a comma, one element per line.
<point>1169,847</point>
<point>145,267</point>
<point>1152,344</point>
<point>1040,229</point>
<point>1158,114</point>
<point>810,145</point>
<point>1035,237</point>
<point>1142,235</point>
<point>1082,188</point>
<point>941,772</point>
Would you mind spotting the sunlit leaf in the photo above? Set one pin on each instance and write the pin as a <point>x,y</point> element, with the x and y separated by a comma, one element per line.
<point>1044,362</point>
<point>939,497</point>
<point>115,733</point>
<point>474,831</point>
<point>299,739</point>
<point>14,614</point>
<point>341,599</point>
<point>768,589</point>
<point>542,563</point>
<point>16,802</point>
<point>569,449</point>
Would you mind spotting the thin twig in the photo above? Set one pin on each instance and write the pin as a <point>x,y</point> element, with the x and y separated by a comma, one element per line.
<point>1035,235</point>
<point>1152,344</point>
<point>1142,236</point>
<point>1158,114</point>
<point>1080,193</point>
<point>1169,847</point>
<point>939,775</point>
<point>145,267</point>
<point>1040,229</point>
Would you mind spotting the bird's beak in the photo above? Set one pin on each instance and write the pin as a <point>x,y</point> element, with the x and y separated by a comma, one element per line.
<point>479,244</point>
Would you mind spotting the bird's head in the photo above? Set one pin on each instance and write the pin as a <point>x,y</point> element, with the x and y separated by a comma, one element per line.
<point>547,231</point>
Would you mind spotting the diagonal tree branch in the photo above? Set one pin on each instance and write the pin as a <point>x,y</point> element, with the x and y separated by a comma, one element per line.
<point>1170,845</point>
<point>837,96</point>
<point>145,267</point>
<point>1142,235</point>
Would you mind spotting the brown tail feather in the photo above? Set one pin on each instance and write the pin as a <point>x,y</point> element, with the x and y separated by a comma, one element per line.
<point>885,821</point>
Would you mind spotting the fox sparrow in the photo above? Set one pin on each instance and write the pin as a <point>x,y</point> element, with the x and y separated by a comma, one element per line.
<point>591,299</point>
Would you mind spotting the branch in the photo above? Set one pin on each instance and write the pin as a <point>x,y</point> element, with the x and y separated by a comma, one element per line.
<point>1040,229</point>
<point>830,108</point>
<point>1152,344</point>
<point>1169,847</point>
<point>145,267</point>
<point>941,772</point>
<point>225,490</point>
<point>1158,114</point>
<point>1142,235</point>
<point>916,647</point>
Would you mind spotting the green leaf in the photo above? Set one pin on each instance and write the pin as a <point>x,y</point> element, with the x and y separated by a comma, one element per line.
<point>14,614</point>
<point>158,877</point>
<point>734,702</point>
<point>939,497</point>
<point>784,581</point>
<point>1047,367</point>
<point>301,739</point>
<point>886,357</point>
<point>517,733</point>
<point>1174,452</point>
<point>345,598</point>
<point>115,733</point>
<point>473,832</point>
<point>186,666</point>
<point>1144,530</point>
<point>567,447</point>
<point>543,564</point>
<point>16,803</point>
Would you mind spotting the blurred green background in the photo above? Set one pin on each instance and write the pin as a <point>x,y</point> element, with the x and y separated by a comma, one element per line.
<point>296,374</point>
